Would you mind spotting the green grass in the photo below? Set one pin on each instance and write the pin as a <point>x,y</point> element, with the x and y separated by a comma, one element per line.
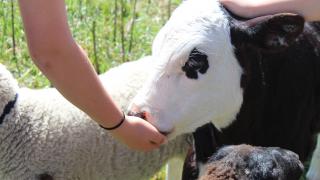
<point>112,32</point>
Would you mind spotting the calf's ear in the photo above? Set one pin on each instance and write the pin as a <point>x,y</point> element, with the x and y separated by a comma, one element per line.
<point>271,32</point>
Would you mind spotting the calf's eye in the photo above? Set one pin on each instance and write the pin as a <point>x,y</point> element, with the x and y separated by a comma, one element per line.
<point>197,63</point>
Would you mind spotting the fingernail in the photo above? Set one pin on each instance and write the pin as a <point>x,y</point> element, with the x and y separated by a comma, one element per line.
<point>163,141</point>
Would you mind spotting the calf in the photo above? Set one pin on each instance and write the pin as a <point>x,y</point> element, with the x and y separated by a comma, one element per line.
<point>257,80</point>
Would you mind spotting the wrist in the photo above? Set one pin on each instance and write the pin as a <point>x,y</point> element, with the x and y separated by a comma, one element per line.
<point>116,126</point>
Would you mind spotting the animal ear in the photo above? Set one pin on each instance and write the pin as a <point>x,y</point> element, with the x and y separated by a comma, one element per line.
<point>272,32</point>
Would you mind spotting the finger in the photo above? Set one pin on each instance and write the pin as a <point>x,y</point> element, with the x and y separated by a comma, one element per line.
<point>153,146</point>
<point>152,142</point>
<point>160,140</point>
<point>163,140</point>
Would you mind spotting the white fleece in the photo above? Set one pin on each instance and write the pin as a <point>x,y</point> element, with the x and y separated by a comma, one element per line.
<point>44,133</point>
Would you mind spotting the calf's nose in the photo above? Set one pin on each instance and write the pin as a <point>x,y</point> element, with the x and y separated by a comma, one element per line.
<point>135,111</point>
<point>138,112</point>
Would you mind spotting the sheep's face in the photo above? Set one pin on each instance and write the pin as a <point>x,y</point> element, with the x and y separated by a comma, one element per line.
<point>196,78</point>
<point>196,74</point>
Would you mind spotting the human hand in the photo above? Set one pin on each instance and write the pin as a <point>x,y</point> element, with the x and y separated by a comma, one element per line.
<point>243,8</point>
<point>309,9</point>
<point>139,134</point>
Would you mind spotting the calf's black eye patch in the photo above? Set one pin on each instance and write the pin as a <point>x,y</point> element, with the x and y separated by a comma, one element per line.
<point>197,62</point>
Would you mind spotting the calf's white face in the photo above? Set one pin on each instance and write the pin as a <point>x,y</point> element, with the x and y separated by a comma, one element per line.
<point>195,76</point>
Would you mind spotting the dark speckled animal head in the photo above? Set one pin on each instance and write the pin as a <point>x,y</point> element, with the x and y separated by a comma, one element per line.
<point>244,162</point>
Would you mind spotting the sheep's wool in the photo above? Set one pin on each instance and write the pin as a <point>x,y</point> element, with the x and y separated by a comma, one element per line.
<point>46,135</point>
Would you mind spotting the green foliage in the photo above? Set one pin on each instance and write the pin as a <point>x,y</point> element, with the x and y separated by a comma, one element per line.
<point>112,32</point>
<point>160,176</point>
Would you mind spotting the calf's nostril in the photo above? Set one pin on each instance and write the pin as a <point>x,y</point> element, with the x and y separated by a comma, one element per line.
<point>141,115</point>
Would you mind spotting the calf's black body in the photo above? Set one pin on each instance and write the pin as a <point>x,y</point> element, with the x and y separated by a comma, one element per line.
<point>281,87</point>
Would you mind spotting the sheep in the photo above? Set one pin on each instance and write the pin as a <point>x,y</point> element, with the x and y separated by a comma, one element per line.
<point>257,80</point>
<point>44,137</point>
<point>245,162</point>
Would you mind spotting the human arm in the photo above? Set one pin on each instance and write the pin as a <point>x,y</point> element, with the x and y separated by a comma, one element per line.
<point>66,65</point>
<point>310,9</point>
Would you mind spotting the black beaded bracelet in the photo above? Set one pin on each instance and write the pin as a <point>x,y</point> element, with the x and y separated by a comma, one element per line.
<point>116,126</point>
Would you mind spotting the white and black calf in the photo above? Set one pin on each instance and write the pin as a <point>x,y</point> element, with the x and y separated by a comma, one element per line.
<point>272,117</point>
<point>257,81</point>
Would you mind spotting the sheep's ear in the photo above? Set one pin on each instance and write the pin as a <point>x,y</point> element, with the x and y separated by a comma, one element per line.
<point>272,32</point>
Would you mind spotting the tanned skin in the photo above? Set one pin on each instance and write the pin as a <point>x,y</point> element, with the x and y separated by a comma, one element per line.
<point>309,9</point>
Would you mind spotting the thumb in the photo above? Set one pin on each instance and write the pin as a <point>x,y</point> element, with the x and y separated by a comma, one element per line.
<point>158,139</point>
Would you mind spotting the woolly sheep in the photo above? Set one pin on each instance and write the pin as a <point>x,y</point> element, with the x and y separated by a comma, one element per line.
<point>245,162</point>
<point>43,136</point>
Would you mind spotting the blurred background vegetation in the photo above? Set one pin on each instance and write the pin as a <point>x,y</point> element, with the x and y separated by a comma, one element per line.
<point>111,31</point>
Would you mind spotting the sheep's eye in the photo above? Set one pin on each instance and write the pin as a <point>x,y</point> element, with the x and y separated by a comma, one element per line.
<point>197,62</point>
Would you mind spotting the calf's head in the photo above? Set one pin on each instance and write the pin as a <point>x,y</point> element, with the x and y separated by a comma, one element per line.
<point>196,76</point>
